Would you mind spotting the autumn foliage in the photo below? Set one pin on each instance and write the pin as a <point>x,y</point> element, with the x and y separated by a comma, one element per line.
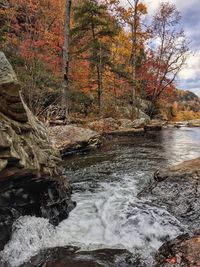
<point>112,54</point>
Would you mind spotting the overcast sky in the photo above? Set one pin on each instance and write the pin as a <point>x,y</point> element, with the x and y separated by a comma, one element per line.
<point>189,78</point>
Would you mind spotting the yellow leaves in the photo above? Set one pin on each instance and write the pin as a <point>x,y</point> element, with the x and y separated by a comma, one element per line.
<point>142,8</point>
<point>121,48</point>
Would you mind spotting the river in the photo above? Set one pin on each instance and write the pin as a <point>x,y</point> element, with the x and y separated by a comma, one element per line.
<point>108,213</point>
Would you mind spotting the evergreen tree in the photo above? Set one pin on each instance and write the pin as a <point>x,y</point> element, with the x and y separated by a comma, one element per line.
<point>93,28</point>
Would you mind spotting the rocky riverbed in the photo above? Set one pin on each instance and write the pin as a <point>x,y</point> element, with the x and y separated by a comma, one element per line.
<point>125,217</point>
<point>112,217</point>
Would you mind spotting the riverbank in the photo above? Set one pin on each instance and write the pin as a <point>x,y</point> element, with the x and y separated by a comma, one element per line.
<point>82,137</point>
<point>178,189</point>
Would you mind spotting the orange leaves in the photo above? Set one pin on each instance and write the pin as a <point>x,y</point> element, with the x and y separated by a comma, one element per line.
<point>36,27</point>
<point>142,8</point>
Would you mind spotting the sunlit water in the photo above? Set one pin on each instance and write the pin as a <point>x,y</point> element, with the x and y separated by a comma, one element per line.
<point>108,212</point>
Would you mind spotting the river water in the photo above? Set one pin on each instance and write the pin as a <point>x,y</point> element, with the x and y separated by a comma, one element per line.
<point>109,214</point>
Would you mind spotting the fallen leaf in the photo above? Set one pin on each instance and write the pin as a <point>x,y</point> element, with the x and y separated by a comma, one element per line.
<point>172,260</point>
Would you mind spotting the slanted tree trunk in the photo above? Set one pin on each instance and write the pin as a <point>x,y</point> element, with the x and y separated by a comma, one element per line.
<point>65,98</point>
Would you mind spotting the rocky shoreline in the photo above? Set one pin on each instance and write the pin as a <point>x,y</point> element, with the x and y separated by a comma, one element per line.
<point>31,178</point>
<point>169,188</point>
<point>79,138</point>
<point>178,190</point>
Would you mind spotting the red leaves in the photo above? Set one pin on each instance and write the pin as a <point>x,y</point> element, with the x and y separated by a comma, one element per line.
<point>37,30</point>
<point>171,260</point>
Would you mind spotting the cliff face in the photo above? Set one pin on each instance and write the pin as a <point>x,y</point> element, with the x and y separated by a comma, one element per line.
<point>31,180</point>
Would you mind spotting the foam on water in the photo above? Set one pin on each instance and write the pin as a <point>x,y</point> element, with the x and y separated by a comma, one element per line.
<point>108,212</point>
<point>112,217</point>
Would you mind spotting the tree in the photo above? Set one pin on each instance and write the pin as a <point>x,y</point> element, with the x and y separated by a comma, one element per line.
<point>168,53</point>
<point>130,17</point>
<point>66,58</point>
<point>134,22</point>
<point>93,27</point>
<point>33,38</point>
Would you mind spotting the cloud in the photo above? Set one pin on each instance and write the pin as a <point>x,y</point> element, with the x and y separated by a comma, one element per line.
<point>192,69</point>
<point>189,78</point>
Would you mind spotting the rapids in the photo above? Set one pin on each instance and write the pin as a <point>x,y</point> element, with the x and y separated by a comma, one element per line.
<point>108,213</point>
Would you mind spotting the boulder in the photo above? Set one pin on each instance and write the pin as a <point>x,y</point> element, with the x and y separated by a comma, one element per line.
<point>178,189</point>
<point>142,115</point>
<point>182,251</point>
<point>104,125</point>
<point>69,139</point>
<point>73,257</point>
<point>31,180</point>
<point>154,125</point>
<point>139,123</point>
<point>128,124</point>
<point>127,132</point>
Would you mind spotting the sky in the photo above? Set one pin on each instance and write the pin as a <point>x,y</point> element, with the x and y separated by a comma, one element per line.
<point>189,77</point>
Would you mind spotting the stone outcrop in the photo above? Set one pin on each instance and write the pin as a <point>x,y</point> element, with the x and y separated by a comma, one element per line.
<point>182,251</point>
<point>31,180</point>
<point>104,125</point>
<point>69,139</point>
<point>154,125</point>
<point>127,132</point>
<point>178,189</point>
<point>128,124</point>
<point>72,257</point>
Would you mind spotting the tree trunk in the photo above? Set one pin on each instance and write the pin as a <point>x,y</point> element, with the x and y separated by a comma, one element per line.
<point>100,86</point>
<point>65,98</point>
<point>99,74</point>
<point>134,55</point>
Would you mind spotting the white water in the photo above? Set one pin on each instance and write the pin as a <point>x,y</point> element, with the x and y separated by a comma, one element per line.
<point>108,212</point>
<point>112,217</point>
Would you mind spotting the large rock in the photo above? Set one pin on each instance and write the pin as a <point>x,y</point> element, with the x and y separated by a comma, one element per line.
<point>127,132</point>
<point>142,115</point>
<point>104,125</point>
<point>178,189</point>
<point>128,124</point>
<point>154,125</point>
<point>69,139</point>
<point>72,257</point>
<point>31,181</point>
<point>183,251</point>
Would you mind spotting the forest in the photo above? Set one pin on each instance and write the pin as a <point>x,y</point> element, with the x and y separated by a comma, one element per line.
<point>88,58</point>
<point>99,134</point>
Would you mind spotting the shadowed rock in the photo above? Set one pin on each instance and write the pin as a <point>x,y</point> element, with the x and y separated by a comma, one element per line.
<point>69,139</point>
<point>178,189</point>
<point>31,181</point>
<point>72,257</point>
<point>182,251</point>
